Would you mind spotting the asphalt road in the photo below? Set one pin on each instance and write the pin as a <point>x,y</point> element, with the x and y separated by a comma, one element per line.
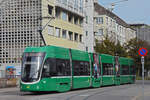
<point>123,92</point>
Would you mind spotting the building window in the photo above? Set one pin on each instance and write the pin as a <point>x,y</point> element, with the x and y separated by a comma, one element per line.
<point>80,37</point>
<point>76,20</point>
<point>50,9</point>
<point>100,32</point>
<point>86,19</point>
<point>76,36</point>
<point>76,5</point>
<point>57,32</point>
<point>50,30</point>
<point>70,18</point>
<point>86,33</point>
<point>57,13</point>
<point>111,22</point>
<point>81,5</point>
<point>64,33</point>
<point>81,22</point>
<point>64,2</point>
<point>107,20</point>
<point>95,33</point>
<point>70,35</point>
<point>114,25</point>
<point>64,16</point>
<point>99,20</point>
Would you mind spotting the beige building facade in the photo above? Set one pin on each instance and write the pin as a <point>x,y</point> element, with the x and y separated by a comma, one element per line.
<point>64,23</point>
<point>108,24</point>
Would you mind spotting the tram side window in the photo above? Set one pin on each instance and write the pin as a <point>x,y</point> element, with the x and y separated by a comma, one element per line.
<point>49,68</point>
<point>81,68</point>
<point>56,67</point>
<point>107,69</point>
<point>133,70</point>
<point>87,67</point>
<point>63,67</point>
<point>125,70</point>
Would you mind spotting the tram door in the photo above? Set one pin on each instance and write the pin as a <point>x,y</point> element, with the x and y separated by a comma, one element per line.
<point>96,76</point>
<point>117,70</point>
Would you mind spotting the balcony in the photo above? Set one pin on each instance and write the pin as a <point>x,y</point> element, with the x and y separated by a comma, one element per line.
<point>69,5</point>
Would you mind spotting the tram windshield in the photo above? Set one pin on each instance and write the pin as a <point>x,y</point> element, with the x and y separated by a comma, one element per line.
<point>31,65</point>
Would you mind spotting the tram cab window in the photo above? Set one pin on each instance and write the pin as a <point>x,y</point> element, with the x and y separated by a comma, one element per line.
<point>81,68</point>
<point>107,69</point>
<point>125,70</point>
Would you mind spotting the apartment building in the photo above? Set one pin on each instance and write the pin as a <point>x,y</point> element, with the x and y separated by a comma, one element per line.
<point>65,28</point>
<point>107,23</point>
<point>19,28</point>
<point>143,31</point>
<point>72,26</point>
<point>88,36</point>
<point>65,23</point>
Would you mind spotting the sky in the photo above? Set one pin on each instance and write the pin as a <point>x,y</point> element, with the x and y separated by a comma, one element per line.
<point>131,11</point>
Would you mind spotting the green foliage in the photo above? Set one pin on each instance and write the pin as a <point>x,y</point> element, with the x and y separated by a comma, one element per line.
<point>132,48</point>
<point>109,47</point>
<point>129,49</point>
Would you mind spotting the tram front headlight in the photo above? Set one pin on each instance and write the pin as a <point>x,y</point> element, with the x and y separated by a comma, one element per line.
<point>28,87</point>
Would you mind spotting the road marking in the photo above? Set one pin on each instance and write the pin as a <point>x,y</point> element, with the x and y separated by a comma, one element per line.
<point>84,95</point>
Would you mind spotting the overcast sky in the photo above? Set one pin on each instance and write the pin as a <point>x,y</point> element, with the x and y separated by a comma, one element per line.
<point>132,11</point>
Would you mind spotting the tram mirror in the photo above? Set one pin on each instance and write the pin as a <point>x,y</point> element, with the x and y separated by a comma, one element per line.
<point>45,66</point>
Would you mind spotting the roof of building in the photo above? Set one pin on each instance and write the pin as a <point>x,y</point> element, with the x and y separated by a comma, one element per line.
<point>103,11</point>
<point>138,25</point>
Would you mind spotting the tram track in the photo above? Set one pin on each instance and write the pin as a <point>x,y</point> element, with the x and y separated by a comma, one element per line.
<point>95,93</point>
<point>83,93</point>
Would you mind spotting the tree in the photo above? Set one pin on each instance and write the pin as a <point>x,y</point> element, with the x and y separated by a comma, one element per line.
<point>106,46</point>
<point>129,49</point>
<point>109,47</point>
<point>120,50</point>
<point>132,48</point>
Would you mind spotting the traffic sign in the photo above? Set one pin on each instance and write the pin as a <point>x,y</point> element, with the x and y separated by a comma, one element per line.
<point>142,51</point>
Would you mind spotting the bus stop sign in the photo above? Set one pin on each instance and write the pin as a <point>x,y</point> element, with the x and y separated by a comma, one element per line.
<point>142,51</point>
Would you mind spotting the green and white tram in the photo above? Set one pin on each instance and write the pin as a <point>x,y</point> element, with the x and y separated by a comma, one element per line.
<point>52,68</point>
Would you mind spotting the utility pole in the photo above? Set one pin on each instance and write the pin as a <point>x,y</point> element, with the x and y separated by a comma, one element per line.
<point>42,28</point>
<point>142,61</point>
<point>142,52</point>
<point>114,4</point>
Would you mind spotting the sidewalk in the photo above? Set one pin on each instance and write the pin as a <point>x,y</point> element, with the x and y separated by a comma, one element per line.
<point>146,96</point>
<point>6,83</point>
<point>9,89</point>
